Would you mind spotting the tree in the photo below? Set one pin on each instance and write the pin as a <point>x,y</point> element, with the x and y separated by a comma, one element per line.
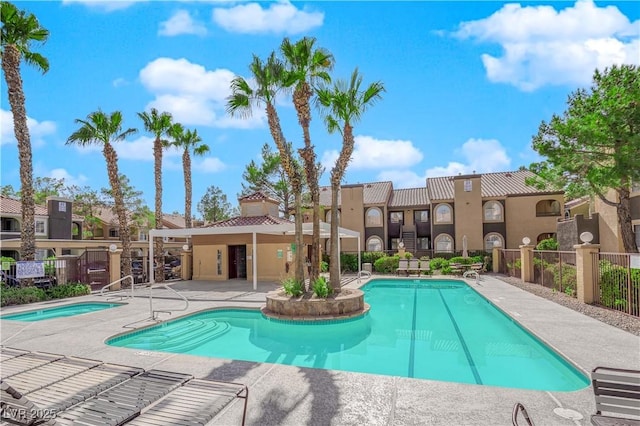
<point>8,191</point>
<point>214,205</point>
<point>593,147</point>
<point>44,187</point>
<point>268,77</point>
<point>188,140</point>
<point>269,177</point>
<point>343,106</point>
<point>158,124</point>
<point>19,31</point>
<point>88,204</point>
<point>306,66</point>
<point>102,129</point>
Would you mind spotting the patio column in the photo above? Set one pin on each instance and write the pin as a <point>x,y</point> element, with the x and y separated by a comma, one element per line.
<point>526,257</point>
<point>254,261</point>
<point>585,271</point>
<point>495,261</point>
<point>114,268</point>
<point>185,264</point>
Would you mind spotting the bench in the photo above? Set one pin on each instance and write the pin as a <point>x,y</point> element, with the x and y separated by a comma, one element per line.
<point>617,393</point>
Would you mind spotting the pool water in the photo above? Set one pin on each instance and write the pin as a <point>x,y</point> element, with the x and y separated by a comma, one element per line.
<point>429,329</point>
<point>60,311</point>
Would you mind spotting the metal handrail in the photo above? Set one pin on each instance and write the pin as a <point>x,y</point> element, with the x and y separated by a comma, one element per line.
<point>466,274</point>
<point>116,282</point>
<point>153,312</point>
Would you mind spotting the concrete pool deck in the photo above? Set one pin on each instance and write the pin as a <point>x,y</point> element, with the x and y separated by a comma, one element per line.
<point>287,395</point>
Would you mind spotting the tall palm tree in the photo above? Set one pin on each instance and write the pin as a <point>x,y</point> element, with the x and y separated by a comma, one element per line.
<point>102,129</point>
<point>188,140</point>
<point>342,106</point>
<point>19,30</point>
<point>307,66</point>
<point>158,125</point>
<point>269,76</point>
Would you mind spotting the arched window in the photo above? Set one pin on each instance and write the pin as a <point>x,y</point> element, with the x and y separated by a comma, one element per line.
<point>493,211</point>
<point>492,240</point>
<point>444,243</point>
<point>374,217</point>
<point>374,244</point>
<point>327,246</point>
<point>327,216</point>
<point>548,208</point>
<point>443,213</point>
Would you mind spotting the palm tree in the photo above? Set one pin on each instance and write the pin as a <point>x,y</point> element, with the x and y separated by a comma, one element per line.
<point>269,77</point>
<point>19,30</point>
<point>188,140</point>
<point>307,66</point>
<point>102,129</point>
<point>343,105</point>
<point>158,125</point>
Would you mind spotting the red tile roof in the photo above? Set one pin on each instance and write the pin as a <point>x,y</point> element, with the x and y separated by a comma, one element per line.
<point>14,207</point>
<point>258,196</point>
<point>250,221</point>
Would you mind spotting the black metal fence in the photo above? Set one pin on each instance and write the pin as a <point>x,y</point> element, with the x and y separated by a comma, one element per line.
<point>510,262</point>
<point>617,281</point>
<point>556,270</point>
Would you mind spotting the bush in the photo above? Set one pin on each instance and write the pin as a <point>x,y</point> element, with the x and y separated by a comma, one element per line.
<point>50,266</point>
<point>548,244</point>
<point>387,264</point>
<point>321,288</point>
<point>372,256</point>
<point>324,266</point>
<point>68,290</point>
<point>349,262</point>
<point>408,255</point>
<point>293,287</point>
<point>464,260</point>
<point>21,295</point>
<point>439,263</point>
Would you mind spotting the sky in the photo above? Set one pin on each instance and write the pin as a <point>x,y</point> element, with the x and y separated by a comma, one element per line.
<point>467,83</point>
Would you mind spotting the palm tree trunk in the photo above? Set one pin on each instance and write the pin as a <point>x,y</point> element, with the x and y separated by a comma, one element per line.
<point>186,169</point>
<point>114,180</point>
<point>157,242</point>
<point>11,68</point>
<point>299,238</point>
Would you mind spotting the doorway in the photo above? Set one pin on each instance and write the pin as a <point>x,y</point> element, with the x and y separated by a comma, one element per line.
<point>237,262</point>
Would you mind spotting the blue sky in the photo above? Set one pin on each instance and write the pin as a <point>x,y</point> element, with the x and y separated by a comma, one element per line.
<point>467,83</point>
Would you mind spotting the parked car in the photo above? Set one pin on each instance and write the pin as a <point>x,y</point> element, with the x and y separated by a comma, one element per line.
<point>40,282</point>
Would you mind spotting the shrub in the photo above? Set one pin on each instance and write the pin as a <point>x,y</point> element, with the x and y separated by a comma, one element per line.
<point>408,255</point>
<point>293,287</point>
<point>324,266</point>
<point>372,256</point>
<point>548,244</point>
<point>68,290</point>
<point>387,264</point>
<point>463,260</point>
<point>50,265</point>
<point>21,295</point>
<point>321,288</point>
<point>438,263</point>
<point>349,262</point>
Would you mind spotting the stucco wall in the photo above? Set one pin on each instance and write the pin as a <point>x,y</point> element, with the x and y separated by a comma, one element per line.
<point>468,212</point>
<point>352,214</point>
<point>521,220</point>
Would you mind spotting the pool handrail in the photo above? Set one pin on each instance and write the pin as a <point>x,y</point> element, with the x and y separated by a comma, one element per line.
<point>116,282</point>
<point>153,312</point>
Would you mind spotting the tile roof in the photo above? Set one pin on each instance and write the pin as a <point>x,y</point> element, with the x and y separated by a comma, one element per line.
<point>250,221</point>
<point>576,202</point>
<point>499,184</point>
<point>409,197</point>
<point>372,193</point>
<point>174,220</point>
<point>257,196</point>
<point>12,206</point>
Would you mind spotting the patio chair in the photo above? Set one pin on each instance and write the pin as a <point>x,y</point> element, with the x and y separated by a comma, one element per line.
<point>17,409</point>
<point>19,364</point>
<point>7,353</point>
<point>196,402</point>
<point>456,268</point>
<point>414,266</point>
<point>424,266</point>
<point>617,393</point>
<point>478,267</point>
<point>518,409</point>
<point>403,266</point>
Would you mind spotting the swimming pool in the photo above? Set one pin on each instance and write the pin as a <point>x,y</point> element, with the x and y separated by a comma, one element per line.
<point>60,311</point>
<point>429,329</point>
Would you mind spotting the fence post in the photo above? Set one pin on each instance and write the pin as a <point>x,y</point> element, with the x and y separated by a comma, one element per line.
<point>114,268</point>
<point>526,256</point>
<point>185,265</point>
<point>585,271</point>
<point>495,261</point>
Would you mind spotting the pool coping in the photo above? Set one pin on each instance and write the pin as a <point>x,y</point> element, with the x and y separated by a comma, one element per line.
<point>27,311</point>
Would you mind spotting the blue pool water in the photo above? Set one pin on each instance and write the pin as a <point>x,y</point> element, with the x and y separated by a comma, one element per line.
<point>430,329</point>
<point>60,311</point>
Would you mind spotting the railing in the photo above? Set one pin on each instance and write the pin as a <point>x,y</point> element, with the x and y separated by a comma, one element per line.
<point>129,277</point>
<point>154,312</point>
<point>617,281</point>
<point>510,262</point>
<point>556,270</point>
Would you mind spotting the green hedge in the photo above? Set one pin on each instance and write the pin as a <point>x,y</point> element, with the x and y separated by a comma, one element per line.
<point>387,264</point>
<point>23,295</point>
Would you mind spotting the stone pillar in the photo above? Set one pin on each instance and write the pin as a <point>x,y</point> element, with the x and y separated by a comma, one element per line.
<point>585,271</point>
<point>526,259</point>
<point>185,264</point>
<point>495,261</point>
<point>114,269</point>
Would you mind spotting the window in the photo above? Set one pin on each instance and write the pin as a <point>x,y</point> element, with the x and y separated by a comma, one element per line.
<point>10,224</point>
<point>422,216</point>
<point>468,185</point>
<point>443,213</point>
<point>374,217</point>
<point>546,236</point>
<point>423,243</point>
<point>113,233</point>
<point>493,240</point>
<point>394,243</point>
<point>396,217</point>
<point>493,211</point>
<point>143,236</point>
<point>62,206</point>
<point>327,217</point>
<point>636,230</point>
<point>444,242</point>
<point>40,227</point>
<point>374,244</point>
<point>548,208</point>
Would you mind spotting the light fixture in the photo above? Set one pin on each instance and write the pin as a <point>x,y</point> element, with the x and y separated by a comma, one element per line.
<point>586,237</point>
<point>526,241</point>
<point>185,247</point>
<point>113,248</point>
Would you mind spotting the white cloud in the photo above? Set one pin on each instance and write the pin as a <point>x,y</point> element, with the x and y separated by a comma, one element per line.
<point>402,178</point>
<point>69,179</point>
<point>181,23</point>
<point>370,153</point>
<point>209,165</point>
<point>106,6</point>
<point>193,94</point>
<point>278,18</point>
<point>481,155</point>
<point>38,130</point>
<point>141,149</point>
<point>543,46</point>
<point>119,82</point>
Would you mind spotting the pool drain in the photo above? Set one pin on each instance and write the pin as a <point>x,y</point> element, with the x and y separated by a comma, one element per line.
<point>566,413</point>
